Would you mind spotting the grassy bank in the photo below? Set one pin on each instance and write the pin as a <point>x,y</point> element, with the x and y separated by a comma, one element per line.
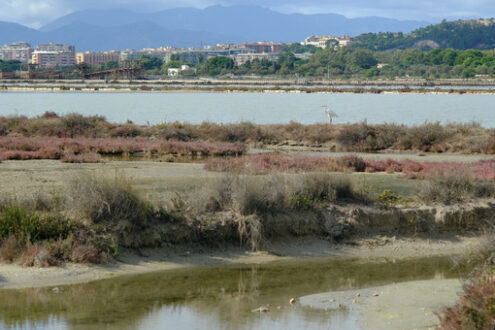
<point>95,216</point>
<point>362,137</point>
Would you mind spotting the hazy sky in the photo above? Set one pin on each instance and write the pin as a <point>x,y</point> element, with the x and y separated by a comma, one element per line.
<point>35,13</point>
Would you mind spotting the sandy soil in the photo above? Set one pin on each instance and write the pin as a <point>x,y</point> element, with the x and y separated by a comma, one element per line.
<point>14,276</point>
<point>21,178</point>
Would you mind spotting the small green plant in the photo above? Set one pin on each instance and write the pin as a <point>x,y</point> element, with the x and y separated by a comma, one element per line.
<point>387,198</point>
<point>115,248</point>
<point>302,202</point>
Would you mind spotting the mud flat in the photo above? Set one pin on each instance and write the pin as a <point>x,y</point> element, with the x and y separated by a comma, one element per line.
<point>407,305</point>
<point>153,260</point>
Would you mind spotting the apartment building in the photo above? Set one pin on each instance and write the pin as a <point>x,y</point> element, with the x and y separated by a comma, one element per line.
<point>54,55</point>
<point>240,59</point>
<point>97,58</point>
<point>20,51</point>
<point>262,47</point>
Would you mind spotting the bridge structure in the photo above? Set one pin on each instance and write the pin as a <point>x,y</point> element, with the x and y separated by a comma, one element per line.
<point>129,72</point>
<point>128,69</point>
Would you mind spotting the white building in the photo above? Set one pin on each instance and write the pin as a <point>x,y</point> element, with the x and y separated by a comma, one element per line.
<point>20,51</point>
<point>173,72</point>
<point>321,41</point>
<point>184,69</point>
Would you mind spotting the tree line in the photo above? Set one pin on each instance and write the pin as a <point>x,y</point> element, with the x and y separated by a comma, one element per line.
<point>348,61</point>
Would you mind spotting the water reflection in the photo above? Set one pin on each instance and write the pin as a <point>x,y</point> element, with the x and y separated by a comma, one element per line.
<point>219,297</point>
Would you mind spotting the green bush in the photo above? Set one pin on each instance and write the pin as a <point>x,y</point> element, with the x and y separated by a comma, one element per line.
<point>17,221</point>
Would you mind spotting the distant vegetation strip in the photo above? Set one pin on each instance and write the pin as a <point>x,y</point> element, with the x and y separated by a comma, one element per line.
<point>89,149</point>
<point>78,133</point>
<point>273,163</point>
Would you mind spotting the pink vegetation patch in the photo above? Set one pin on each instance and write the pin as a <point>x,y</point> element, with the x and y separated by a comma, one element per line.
<point>23,148</point>
<point>266,163</point>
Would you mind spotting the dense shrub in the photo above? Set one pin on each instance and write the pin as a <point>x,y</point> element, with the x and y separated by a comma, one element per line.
<point>475,309</point>
<point>358,137</point>
<point>425,137</point>
<point>34,235</point>
<point>16,221</point>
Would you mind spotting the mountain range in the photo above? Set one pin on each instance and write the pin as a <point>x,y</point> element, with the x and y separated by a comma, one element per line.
<point>189,27</point>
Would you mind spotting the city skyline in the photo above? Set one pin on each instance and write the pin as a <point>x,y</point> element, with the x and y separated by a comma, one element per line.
<point>35,13</point>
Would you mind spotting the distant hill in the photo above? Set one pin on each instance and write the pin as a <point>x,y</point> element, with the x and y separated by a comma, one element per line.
<point>90,37</point>
<point>185,27</point>
<point>461,34</point>
<point>136,35</point>
<point>11,32</point>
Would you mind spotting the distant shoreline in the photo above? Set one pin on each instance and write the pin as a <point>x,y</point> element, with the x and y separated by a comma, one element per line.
<point>457,86</point>
<point>480,82</point>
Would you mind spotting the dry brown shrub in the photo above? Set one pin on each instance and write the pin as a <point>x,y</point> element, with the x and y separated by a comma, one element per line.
<point>10,248</point>
<point>103,199</point>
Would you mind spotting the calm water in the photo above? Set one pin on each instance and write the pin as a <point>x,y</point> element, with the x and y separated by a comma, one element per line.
<point>257,107</point>
<point>219,297</point>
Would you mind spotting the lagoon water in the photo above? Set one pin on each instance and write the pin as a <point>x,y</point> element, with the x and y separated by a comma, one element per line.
<point>263,108</point>
<point>214,297</point>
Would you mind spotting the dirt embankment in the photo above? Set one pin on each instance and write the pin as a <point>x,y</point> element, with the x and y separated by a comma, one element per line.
<point>336,231</point>
<point>338,223</point>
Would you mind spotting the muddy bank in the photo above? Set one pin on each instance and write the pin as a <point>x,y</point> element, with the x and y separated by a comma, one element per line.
<point>335,232</point>
<point>131,262</point>
<point>407,305</point>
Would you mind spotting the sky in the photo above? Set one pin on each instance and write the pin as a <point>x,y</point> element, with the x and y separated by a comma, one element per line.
<point>35,13</point>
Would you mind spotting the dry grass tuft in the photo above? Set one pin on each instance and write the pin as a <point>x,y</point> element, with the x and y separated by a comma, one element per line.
<point>102,199</point>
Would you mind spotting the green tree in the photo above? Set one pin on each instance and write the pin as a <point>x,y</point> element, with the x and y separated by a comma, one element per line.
<point>362,58</point>
<point>151,62</point>
<point>216,65</point>
<point>10,65</point>
<point>111,65</point>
